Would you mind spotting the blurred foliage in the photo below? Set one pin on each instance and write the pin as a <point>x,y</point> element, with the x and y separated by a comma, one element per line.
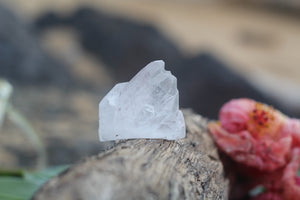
<point>6,108</point>
<point>257,191</point>
<point>21,185</point>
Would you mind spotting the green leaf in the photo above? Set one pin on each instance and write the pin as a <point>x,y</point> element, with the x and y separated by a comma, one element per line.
<point>24,186</point>
<point>12,188</point>
<point>41,177</point>
<point>257,190</point>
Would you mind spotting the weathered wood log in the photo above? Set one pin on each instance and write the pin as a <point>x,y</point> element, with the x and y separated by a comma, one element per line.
<point>188,168</point>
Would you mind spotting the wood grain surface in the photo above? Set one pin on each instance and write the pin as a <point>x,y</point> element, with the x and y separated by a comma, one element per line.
<point>188,168</point>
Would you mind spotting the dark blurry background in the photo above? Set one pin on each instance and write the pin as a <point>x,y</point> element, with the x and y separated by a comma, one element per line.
<point>63,56</point>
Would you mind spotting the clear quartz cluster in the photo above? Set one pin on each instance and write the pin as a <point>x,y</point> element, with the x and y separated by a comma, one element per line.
<point>145,107</point>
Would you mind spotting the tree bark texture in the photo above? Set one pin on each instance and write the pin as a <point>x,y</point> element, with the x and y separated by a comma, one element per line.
<point>188,168</point>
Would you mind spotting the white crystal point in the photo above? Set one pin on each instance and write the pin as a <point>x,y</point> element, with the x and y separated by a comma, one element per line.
<point>145,107</point>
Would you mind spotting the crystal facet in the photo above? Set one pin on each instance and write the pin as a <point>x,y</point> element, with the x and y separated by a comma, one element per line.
<point>145,107</point>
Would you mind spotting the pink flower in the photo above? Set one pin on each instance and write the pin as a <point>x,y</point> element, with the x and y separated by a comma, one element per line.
<point>264,143</point>
<point>234,115</point>
<point>292,127</point>
<point>290,181</point>
<point>268,196</point>
<point>252,134</point>
<point>287,185</point>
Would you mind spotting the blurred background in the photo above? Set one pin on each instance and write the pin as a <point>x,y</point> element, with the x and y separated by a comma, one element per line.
<point>63,56</point>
